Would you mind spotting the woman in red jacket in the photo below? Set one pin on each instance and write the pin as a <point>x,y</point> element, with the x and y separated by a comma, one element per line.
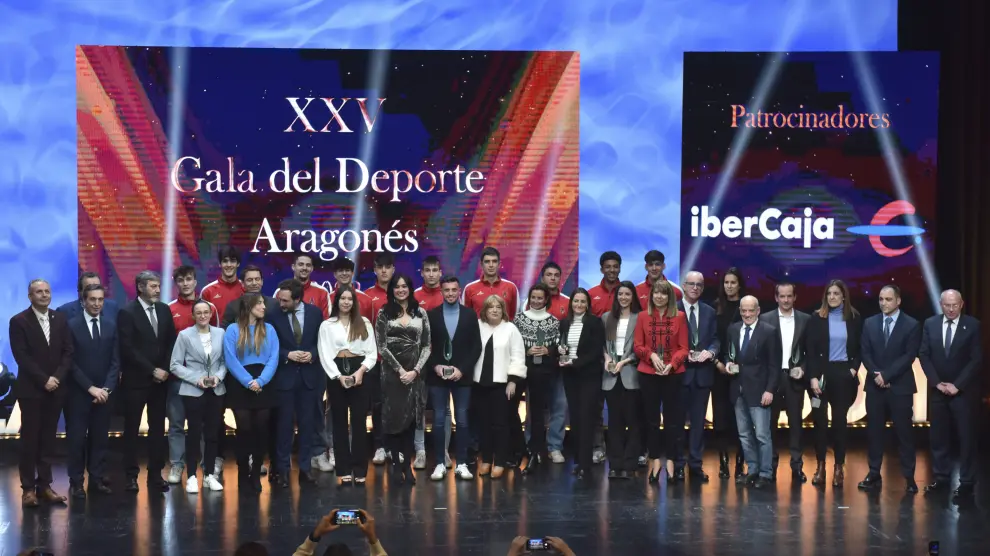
<point>661,344</point>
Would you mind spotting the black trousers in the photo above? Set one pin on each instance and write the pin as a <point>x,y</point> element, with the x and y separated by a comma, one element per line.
<point>204,417</point>
<point>517,438</point>
<point>401,443</point>
<point>724,416</point>
<point>253,431</point>
<point>135,402</point>
<point>880,404</point>
<point>790,399</point>
<point>583,390</point>
<point>87,429</point>
<point>948,414</point>
<point>493,411</point>
<point>840,387</point>
<point>623,427</point>
<point>695,401</point>
<point>373,380</point>
<point>666,389</point>
<point>541,389</point>
<point>39,423</point>
<point>349,405</point>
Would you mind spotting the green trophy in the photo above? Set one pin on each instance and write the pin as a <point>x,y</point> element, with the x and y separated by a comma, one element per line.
<point>732,367</point>
<point>540,339</point>
<point>660,355</point>
<point>610,346</point>
<point>448,354</point>
<point>795,363</point>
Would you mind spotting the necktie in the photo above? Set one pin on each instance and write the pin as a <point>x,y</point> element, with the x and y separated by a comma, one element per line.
<point>154,319</point>
<point>948,336</point>
<point>886,329</point>
<point>47,328</point>
<point>745,342</point>
<point>96,329</point>
<point>693,324</point>
<point>296,329</point>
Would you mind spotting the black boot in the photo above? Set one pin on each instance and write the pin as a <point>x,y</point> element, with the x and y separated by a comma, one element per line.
<point>723,465</point>
<point>739,464</point>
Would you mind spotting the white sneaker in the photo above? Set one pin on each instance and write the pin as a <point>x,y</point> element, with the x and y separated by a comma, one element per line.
<point>322,462</point>
<point>557,457</point>
<point>331,460</point>
<point>402,457</point>
<point>462,472</point>
<point>598,456</point>
<point>314,461</point>
<point>379,457</point>
<point>641,461</point>
<point>192,485</point>
<point>420,461</point>
<point>212,483</point>
<point>446,461</point>
<point>175,474</point>
<point>439,472</point>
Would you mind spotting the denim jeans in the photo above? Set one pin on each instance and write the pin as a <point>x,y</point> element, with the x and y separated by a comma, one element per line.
<point>176,413</point>
<point>557,421</point>
<point>754,432</point>
<point>323,431</point>
<point>440,399</point>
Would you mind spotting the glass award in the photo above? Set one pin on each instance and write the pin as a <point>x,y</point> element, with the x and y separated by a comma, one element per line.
<point>540,339</point>
<point>610,366</point>
<point>795,363</point>
<point>660,354</point>
<point>345,366</point>
<point>565,353</point>
<point>448,350</point>
<point>732,367</point>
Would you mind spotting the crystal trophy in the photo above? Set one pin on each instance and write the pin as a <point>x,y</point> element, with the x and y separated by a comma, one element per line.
<point>610,366</point>
<point>732,367</point>
<point>540,339</point>
<point>660,355</point>
<point>795,363</point>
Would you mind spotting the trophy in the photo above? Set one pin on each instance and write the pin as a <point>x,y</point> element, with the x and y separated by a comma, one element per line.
<point>795,364</point>
<point>565,353</point>
<point>540,338</point>
<point>659,352</point>
<point>816,401</point>
<point>693,354</point>
<point>210,381</point>
<point>732,367</point>
<point>448,353</point>
<point>613,357</point>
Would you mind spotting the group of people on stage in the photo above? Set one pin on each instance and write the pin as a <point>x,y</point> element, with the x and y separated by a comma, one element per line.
<point>653,352</point>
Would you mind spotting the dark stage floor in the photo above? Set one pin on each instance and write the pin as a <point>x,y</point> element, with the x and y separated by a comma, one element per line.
<point>482,516</point>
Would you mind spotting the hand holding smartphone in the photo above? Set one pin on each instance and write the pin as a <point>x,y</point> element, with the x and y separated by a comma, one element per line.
<point>347,517</point>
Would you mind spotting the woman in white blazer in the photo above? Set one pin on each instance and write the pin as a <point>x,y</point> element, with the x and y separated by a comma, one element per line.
<point>501,366</point>
<point>198,360</point>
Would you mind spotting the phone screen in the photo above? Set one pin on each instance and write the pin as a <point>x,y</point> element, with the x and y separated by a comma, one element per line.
<point>347,517</point>
<point>538,544</point>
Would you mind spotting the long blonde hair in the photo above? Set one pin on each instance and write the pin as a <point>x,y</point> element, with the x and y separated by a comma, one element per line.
<point>670,311</point>
<point>248,302</point>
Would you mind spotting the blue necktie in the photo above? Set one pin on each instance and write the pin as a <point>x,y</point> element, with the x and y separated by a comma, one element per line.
<point>948,336</point>
<point>886,329</point>
<point>96,329</point>
<point>745,342</point>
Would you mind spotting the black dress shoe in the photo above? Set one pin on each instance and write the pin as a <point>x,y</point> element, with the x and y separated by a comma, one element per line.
<point>699,475</point>
<point>723,465</point>
<point>912,487</point>
<point>101,486</point>
<point>739,465</point>
<point>938,485</point>
<point>761,483</point>
<point>797,474</point>
<point>964,491</point>
<point>159,485</point>
<point>273,477</point>
<point>742,479</point>
<point>77,492</point>
<point>306,478</point>
<point>131,485</point>
<point>679,474</point>
<point>580,474</point>
<point>871,482</point>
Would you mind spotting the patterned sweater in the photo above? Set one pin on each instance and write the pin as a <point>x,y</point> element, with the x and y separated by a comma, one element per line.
<point>539,328</point>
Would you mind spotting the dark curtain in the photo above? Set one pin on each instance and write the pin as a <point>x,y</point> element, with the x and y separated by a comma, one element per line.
<point>959,30</point>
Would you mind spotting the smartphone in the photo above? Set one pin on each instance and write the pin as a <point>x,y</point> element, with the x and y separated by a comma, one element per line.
<point>347,517</point>
<point>537,544</point>
<point>447,372</point>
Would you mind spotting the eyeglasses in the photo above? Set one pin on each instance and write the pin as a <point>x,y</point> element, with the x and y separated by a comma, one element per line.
<point>694,284</point>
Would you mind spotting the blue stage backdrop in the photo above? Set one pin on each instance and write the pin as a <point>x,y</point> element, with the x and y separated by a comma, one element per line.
<point>631,99</point>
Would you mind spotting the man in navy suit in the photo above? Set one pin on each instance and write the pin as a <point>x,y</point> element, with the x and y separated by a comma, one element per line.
<point>890,344</point>
<point>753,360</point>
<point>951,355</point>
<point>40,343</point>
<point>791,325</point>
<point>699,373</point>
<point>95,368</point>
<point>299,380</point>
<point>75,307</point>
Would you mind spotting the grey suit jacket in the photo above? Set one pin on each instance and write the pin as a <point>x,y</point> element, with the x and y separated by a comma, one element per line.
<point>629,374</point>
<point>189,362</point>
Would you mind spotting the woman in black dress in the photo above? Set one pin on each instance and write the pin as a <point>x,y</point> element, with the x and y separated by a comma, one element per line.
<point>403,333</point>
<point>730,291</point>
<point>250,348</point>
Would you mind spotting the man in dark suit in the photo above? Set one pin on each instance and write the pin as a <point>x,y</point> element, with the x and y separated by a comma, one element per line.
<point>42,348</point>
<point>147,335</point>
<point>951,355</point>
<point>753,360</point>
<point>699,371</point>
<point>75,307</point>
<point>95,368</point>
<point>890,344</point>
<point>455,345</point>
<point>299,380</point>
<point>253,282</point>
<point>793,381</point>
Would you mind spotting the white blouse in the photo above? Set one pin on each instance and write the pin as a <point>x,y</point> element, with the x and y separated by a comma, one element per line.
<point>334,339</point>
<point>206,338</point>
<point>508,351</point>
<point>620,336</point>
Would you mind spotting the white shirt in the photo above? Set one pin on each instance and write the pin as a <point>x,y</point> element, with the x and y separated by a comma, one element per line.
<point>334,338</point>
<point>620,336</point>
<point>742,332</point>
<point>44,322</point>
<point>786,336</point>
<point>206,338</point>
<point>89,323</point>
<point>574,337</point>
<point>945,329</point>
<point>145,305</point>
<point>508,352</point>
